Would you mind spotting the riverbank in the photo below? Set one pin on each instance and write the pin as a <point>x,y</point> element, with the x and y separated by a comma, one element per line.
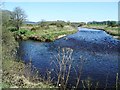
<point>44,34</point>
<point>114,31</point>
<point>16,74</point>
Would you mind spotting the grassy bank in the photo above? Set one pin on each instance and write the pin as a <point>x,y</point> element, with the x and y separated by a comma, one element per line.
<point>16,74</point>
<point>44,34</point>
<point>114,31</point>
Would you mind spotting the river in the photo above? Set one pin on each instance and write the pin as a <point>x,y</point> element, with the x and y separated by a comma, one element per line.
<point>99,52</point>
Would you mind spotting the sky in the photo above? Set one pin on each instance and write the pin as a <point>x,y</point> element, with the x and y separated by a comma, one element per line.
<point>67,11</point>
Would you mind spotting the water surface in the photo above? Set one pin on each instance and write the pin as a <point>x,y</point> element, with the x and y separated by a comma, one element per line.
<point>98,50</point>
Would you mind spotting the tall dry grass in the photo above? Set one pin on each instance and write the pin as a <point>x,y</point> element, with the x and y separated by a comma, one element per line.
<point>63,66</point>
<point>63,63</point>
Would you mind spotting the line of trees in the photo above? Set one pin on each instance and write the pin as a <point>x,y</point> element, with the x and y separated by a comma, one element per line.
<point>108,23</point>
<point>58,23</point>
<point>77,24</point>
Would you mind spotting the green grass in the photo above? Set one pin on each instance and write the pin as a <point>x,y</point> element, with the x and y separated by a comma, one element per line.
<point>113,31</point>
<point>4,85</point>
<point>23,33</point>
<point>52,34</point>
<point>45,34</point>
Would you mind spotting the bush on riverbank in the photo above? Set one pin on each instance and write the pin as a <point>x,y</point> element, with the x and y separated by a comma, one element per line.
<point>23,34</point>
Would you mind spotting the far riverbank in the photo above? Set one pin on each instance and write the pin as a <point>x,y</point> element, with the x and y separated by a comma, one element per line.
<point>114,31</point>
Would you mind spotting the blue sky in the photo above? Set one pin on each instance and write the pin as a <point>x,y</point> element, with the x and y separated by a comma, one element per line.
<point>67,11</point>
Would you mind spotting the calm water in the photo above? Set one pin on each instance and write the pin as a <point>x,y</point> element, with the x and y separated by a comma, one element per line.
<point>98,50</point>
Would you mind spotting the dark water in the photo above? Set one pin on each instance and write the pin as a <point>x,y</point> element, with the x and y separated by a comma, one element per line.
<point>98,50</point>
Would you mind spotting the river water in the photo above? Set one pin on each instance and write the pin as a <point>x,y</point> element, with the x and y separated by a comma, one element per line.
<point>99,52</point>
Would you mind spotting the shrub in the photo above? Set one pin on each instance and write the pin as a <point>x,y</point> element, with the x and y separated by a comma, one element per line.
<point>12,29</point>
<point>33,29</point>
<point>22,31</point>
<point>60,25</point>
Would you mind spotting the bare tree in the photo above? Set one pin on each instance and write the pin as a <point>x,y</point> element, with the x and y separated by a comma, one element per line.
<point>18,17</point>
